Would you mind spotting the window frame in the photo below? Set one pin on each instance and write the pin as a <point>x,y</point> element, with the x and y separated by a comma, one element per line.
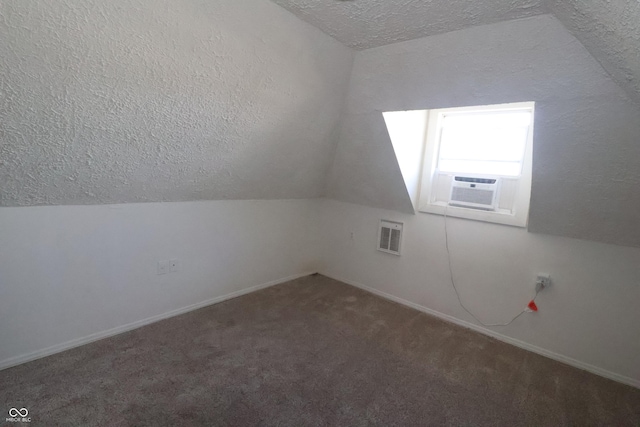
<point>518,216</point>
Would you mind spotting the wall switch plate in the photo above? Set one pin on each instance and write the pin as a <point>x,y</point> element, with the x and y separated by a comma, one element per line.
<point>174,265</point>
<point>163,267</point>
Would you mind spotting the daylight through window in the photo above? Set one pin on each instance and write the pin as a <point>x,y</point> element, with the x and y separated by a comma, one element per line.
<point>477,162</point>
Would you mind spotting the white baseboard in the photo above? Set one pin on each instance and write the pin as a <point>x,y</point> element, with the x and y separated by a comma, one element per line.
<point>526,346</point>
<point>38,354</point>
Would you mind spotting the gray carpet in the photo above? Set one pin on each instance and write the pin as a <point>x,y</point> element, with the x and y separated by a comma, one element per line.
<point>311,352</point>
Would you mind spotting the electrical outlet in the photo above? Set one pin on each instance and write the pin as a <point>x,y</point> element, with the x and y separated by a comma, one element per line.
<point>543,281</point>
<point>163,267</point>
<point>174,265</point>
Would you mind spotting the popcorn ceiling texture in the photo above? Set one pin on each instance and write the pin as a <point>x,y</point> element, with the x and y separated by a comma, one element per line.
<point>610,30</point>
<point>145,100</point>
<point>363,24</point>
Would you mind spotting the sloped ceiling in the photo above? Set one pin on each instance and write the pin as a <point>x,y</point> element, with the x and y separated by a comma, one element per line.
<point>145,100</point>
<point>363,24</point>
<point>610,30</point>
<point>579,60</point>
<point>587,131</point>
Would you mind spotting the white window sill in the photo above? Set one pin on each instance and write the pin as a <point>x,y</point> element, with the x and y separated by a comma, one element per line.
<point>500,216</point>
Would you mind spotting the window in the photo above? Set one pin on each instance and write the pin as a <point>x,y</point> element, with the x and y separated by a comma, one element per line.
<point>477,163</point>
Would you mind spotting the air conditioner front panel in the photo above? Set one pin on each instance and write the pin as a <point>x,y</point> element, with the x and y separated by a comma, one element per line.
<point>476,193</point>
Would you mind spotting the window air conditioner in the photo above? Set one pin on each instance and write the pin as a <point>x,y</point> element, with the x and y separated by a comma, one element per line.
<point>475,193</point>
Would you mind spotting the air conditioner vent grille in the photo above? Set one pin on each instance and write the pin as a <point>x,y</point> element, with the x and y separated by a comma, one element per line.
<point>475,193</point>
<point>471,195</point>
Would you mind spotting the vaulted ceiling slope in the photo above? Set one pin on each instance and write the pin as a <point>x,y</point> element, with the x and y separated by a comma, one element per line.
<point>363,24</point>
<point>610,30</point>
<point>585,152</point>
<point>159,100</point>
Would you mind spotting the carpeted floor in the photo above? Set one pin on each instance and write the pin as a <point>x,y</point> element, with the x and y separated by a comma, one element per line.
<point>311,352</point>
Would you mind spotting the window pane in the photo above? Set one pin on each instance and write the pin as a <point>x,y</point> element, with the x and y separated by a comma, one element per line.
<point>504,144</point>
<point>488,119</point>
<point>481,167</point>
<point>487,143</point>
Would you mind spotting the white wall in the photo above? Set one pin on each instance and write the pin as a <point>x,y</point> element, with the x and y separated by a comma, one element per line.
<point>70,272</point>
<point>589,317</point>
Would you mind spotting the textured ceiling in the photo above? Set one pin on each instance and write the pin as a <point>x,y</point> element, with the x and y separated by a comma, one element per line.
<point>146,100</point>
<point>610,30</point>
<point>363,24</point>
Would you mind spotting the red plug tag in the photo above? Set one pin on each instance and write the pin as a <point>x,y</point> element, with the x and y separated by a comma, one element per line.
<point>532,306</point>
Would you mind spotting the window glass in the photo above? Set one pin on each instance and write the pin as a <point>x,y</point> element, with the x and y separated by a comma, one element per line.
<point>484,143</point>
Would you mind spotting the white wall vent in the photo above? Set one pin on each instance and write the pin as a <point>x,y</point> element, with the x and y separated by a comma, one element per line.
<point>390,237</point>
<point>475,193</point>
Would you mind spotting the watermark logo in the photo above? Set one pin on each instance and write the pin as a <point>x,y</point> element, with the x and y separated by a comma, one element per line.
<point>18,416</point>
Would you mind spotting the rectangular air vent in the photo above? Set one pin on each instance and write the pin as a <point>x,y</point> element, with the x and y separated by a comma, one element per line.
<point>475,193</point>
<point>390,237</point>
